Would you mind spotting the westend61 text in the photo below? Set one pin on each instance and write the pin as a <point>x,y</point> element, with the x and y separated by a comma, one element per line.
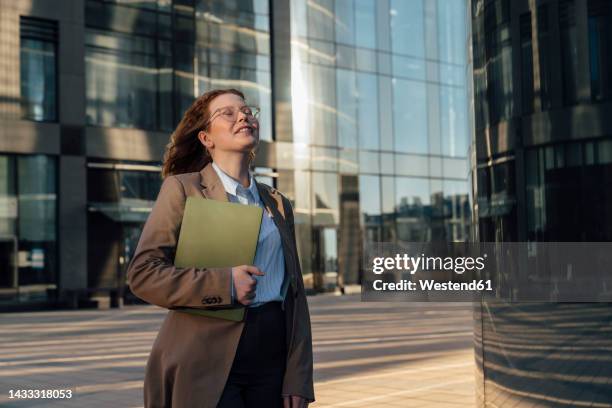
<point>406,285</point>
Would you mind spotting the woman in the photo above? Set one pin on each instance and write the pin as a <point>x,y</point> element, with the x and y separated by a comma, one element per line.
<point>199,361</point>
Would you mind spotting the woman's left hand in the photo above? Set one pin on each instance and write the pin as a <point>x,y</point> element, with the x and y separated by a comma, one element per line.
<point>294,401</point>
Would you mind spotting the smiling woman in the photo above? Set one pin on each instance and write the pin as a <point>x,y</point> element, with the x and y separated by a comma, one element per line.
<point>222,136</point>
<point>186,152</point>
<point>200,361</point>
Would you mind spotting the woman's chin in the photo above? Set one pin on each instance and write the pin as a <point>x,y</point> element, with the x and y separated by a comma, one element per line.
<point>249,142</point>
<point>247,146</point>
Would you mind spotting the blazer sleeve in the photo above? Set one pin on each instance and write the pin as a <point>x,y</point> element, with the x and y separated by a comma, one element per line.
<point>151,273</point>
<point>299,373</point>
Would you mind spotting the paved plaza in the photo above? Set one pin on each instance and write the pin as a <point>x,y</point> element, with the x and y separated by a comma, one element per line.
<point>366,354</point>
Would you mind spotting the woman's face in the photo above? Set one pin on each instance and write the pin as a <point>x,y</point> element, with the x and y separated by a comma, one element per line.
<point>230,127</point>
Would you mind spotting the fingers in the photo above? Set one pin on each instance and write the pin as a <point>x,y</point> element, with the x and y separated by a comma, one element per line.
<point>253,270</point>
<point>245,282</point>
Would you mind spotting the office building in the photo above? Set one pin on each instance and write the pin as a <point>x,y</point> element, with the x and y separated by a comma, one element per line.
<point>364,127</point>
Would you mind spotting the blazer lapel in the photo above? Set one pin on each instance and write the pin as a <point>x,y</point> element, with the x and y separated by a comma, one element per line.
<point>275,207</point>
<point>212,187</point>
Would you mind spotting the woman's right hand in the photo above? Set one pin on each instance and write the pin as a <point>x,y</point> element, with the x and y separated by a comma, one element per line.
<point>244,283</point>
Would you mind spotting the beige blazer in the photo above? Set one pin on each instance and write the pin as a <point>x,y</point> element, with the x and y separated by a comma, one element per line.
<point>192,355</point>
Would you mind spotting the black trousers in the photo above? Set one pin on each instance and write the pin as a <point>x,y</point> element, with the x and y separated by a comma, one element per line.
<point>256,377</point>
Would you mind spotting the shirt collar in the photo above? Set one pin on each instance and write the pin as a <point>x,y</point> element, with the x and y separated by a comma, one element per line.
<point>231,184</point>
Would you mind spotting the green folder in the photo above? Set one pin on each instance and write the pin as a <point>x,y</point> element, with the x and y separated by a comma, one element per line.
<point>217,234</point>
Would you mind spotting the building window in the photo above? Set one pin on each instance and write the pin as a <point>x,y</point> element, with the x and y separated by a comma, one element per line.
<point>346,106</point>
<point>407,27</point>
<point>129,66</point>
<point>569,50</point>
<point>481,104</point>
<point>38,69</point>
<point>233,51</point>
<point>561,181</point>
<point>526,63</point>
<point>367,116</point>
<point>498,51</point>
<point>600,48</point>
<point>544,56</point>
<point>413,209</point>
<point>456,210</point>
<point>454,121</point>
<point>365,19</point>
<point>497,202</point>
<point>451,31</point>
<point>369,205</point>
<point>28,208</point>
<point>345,21</point>
<point>410,125</point>
<point>122,80</point>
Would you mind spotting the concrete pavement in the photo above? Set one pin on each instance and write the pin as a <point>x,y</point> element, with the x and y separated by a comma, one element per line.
<point>366,354</point>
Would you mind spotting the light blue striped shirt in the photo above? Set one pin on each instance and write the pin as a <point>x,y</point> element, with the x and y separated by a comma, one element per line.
<point>269,256</point>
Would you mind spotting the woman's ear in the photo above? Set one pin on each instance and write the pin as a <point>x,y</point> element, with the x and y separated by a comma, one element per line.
<point>205,140</point>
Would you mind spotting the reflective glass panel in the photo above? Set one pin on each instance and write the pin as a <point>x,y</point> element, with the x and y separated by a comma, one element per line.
<point>367,119</point>
<point>410,116</point>
<point>407,22</point>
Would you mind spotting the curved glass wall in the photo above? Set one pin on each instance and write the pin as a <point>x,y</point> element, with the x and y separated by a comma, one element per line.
<point>541,172</point>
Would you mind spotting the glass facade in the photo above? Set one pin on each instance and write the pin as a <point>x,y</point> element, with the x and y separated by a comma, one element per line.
<point>120,197</point>
<point>377,147</point>
<point>544,60</point>
<point>379,99</point>
<point>541,172</point>
<point>569,50</point>
<point>147,61</point>
<point>28,226</point>
<point>600,48</point>
<point>564,179</point>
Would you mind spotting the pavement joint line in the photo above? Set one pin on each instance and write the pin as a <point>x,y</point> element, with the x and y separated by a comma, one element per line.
<point>409,371</point>
<point>123,385</point>
<point>71,359</point>
<point>410,391</point>
<point>391,338</point>
<point>89,337</point>
<point>73,368</point>
<point>14,357</point>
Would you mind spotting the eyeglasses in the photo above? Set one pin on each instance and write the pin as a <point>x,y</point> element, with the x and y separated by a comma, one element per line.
<point>230,113</point>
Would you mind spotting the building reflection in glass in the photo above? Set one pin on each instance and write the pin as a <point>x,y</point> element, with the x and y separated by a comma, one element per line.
<point>384,120</point>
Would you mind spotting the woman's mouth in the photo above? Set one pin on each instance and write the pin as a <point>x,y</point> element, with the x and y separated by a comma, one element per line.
<point>245,130</point>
